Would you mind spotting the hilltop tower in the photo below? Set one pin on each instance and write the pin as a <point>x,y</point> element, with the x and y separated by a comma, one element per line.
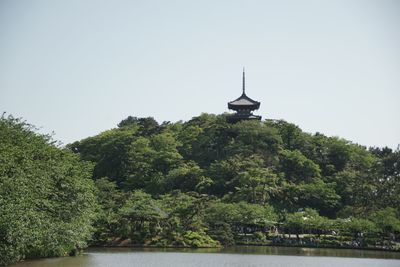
<point>243,106</point>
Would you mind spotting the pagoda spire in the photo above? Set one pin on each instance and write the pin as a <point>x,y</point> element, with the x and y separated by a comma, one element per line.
<point>243,83</point>
<point>243,106</point>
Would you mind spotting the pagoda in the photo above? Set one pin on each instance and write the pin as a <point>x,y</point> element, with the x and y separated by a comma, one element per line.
<point>243,106</point>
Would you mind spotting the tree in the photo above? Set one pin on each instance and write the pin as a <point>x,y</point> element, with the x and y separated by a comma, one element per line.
<point>187,136</point>
<point>387,177</point>
<point>185,224</point>
<point>187,177</point>
<point>140,164</point>
<point>297,167</point>
<point>146,126</point>
<point>253,137</point>
<point>357,227</point>
<point>212,139</point>
<point>47,201</point>
<point>317,195</point>
<point>110,200</point>
<point>222,173</point>
<point>141,216</point>
<point>292,136</point>
<point>257,184</point>
<point>240,170</point>
<point>150,160</point>
<point>307,221</point>
<point>166,156</point>
<point>227,221</point>
<point>386,221</point>
<point>109,151</point>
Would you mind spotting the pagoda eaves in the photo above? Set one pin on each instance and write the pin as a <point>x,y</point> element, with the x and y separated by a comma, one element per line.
<point>243,102</point>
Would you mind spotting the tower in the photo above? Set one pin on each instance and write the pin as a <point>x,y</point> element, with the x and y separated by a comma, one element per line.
<point>243,106</point>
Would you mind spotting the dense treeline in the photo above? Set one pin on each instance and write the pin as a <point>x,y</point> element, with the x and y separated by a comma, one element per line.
<point>207,182</point>
<point>47,196</point>
<point>200,183</point>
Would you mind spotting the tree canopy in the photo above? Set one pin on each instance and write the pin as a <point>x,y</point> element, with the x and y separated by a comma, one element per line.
<point>200,183</point>
<point>47,200</point>
<point>249,166</point>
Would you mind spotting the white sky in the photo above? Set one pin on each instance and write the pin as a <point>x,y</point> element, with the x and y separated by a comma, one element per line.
<point>79,67</point>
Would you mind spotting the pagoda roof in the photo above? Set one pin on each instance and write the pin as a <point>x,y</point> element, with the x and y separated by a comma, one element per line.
<point>244,102</point>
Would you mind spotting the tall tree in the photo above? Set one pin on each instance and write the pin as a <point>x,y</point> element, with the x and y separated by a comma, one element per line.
<point>47,201</point>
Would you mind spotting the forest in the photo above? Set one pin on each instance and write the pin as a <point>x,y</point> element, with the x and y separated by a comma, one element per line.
<point>200,183</point>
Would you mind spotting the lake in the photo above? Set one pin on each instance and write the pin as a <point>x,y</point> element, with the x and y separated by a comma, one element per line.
<point>239,256</point>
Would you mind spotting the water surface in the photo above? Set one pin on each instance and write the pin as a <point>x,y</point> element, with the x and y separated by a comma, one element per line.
<point>240,256</point>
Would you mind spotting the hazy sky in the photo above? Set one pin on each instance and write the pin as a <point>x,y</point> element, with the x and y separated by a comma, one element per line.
<point>79,67</point>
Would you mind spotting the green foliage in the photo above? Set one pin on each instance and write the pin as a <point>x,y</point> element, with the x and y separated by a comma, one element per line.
<point>387,221</point>
<point>198,239</point>
<point>253,137</point>
<point>110,200</point>
<point>297,167</point>
<point>187,177</point>
<point>257,185</point>
<point>199,183</point>
<point>174,219</point>
<point>228,221</point>
<point>357,226</point>
<point>140,217</point>
<point>145,126</point>
<point>47,200</point>
<point>231,181</point>
<point>317,195</point>
<point>109,151</point>
<point>386,177</point>
<point>307,221</point>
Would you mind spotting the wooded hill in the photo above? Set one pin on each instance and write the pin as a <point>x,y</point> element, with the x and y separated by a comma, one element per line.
<point>203,182</point>
<point>188,183</point>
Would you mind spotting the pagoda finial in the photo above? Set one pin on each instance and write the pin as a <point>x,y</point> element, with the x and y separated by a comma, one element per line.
<point>243,83</point>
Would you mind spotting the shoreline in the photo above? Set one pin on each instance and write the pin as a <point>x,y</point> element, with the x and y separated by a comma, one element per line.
<point>243,245</point>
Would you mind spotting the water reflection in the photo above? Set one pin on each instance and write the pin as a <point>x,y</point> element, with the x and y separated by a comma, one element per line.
<point>264,250</point>
<point>85,260</point>
<point>240,256</point>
